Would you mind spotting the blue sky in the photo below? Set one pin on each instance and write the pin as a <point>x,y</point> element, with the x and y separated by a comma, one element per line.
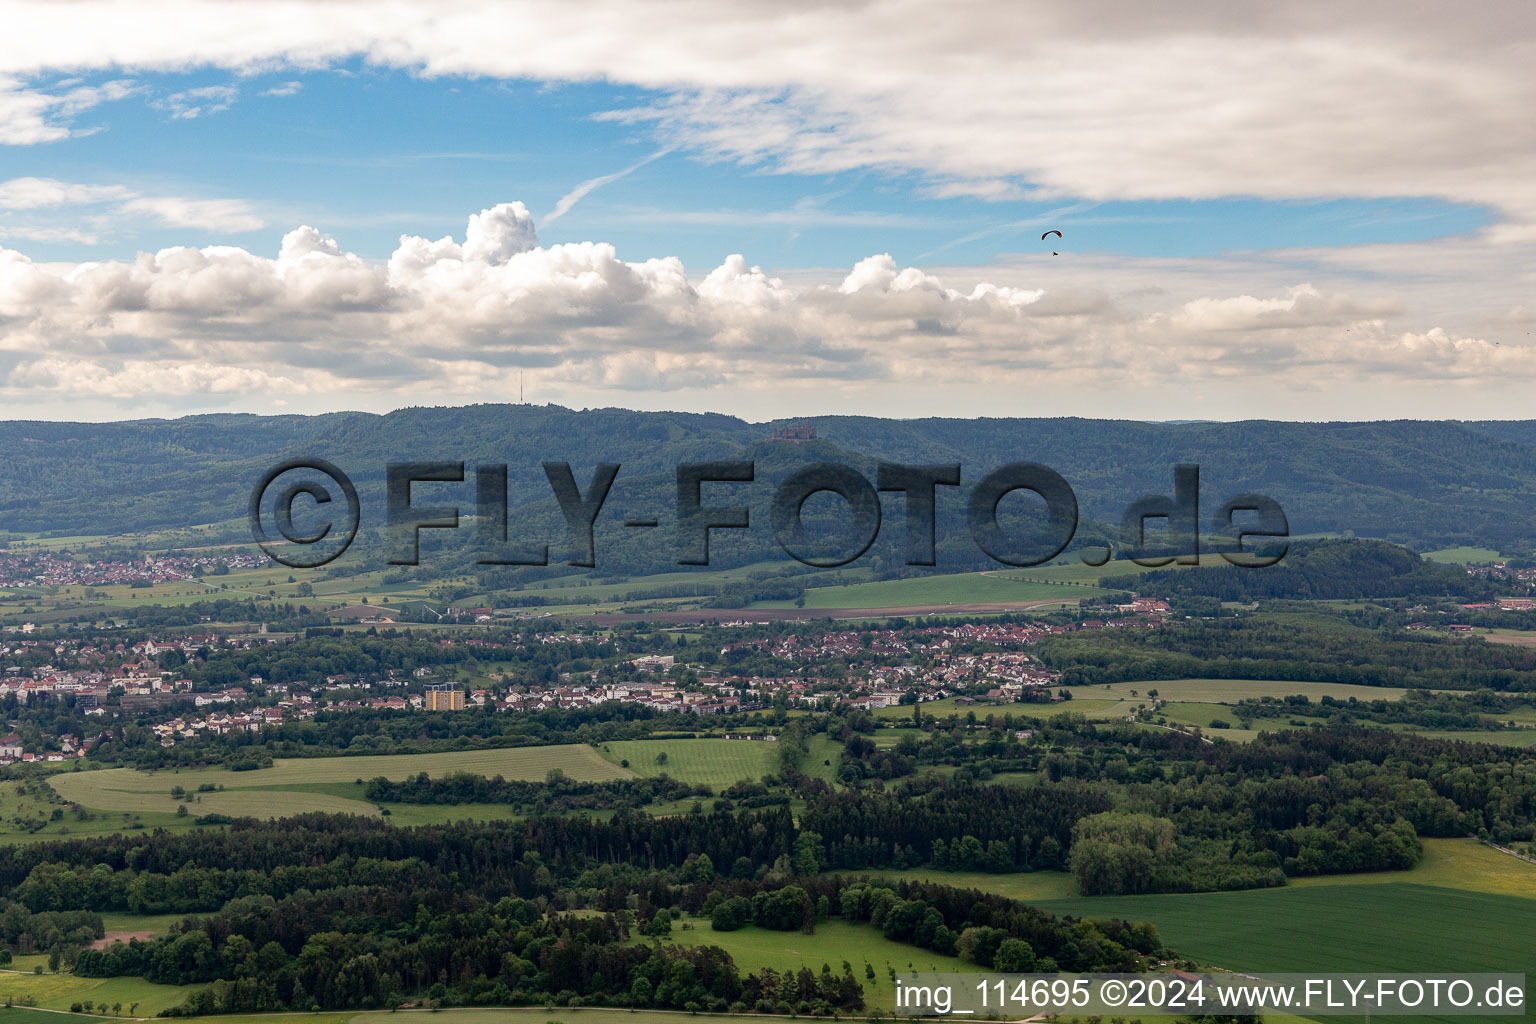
<point>370,153</point>
<point>1299,211</point>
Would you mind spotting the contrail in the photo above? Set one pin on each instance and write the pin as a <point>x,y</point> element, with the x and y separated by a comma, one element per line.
<point>581,191</point>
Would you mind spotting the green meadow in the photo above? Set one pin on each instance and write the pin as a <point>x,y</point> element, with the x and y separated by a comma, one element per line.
<point>711,762</point>
<point>297,785</point>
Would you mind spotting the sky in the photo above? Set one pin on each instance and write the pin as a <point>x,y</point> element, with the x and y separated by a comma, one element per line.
<point>1300,211</point>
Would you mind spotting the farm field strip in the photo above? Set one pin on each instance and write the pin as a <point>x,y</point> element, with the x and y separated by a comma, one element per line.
<point>1388,927</point>
<point>831,943</point>
<point>712,762</point>
<point>921,591</point>
<point>59,991</point>
<point>126,789</point>
<point>1228,691</point>
<point>1089,706</point>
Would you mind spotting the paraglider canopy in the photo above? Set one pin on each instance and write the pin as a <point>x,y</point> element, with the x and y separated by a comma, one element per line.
<point>1049,233</point>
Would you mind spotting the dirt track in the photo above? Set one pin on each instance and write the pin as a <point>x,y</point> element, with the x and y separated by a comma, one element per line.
<point>803,614</point>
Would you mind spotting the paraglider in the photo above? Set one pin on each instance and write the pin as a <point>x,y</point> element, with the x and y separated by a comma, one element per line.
<point>1047,235</point>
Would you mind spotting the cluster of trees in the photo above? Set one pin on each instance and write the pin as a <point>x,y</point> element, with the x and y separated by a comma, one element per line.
<point>781,910</point>
<point>27,931</point>
<point>1479,709</point>
<point>378,731</point>
<point>952,825</point>
<point>556,793</point>
<point>1304,649</point>
<point>862,759</point>
<point>1317,571</point>
<point>977,927</point>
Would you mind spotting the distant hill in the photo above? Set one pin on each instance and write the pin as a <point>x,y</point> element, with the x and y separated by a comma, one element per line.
<point>1419,483</point>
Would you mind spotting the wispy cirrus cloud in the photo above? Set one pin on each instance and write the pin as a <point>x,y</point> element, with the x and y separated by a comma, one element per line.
<point>31,114</point>
<point>1098,100</point>
<point>92,209</point>
<point>200,102</point>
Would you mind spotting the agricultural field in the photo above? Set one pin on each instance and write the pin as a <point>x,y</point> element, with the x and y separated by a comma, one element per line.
<point>1463,555</point>
<point>1028,886</point>
<point>1393,927</point>
<point>1447,863</point>
<point>601,589</point>
<point>1090,707</point>
<point>924,591</point>
<point>1450,864</point>
<point>1197,702</point>
<point>124,922</point>
<point>23,1015</point>
<point>263,584</point>
<point>58,991</point>
<point>1229,691</point>
<point>710,762</point>
<point>582,1015</point>
<point>296,785</point>
<point>27,814</point>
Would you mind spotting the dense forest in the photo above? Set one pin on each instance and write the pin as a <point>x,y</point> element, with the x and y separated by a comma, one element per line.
<point>331,913</point>
<point>1326,570</point>
<point>1425,484</point>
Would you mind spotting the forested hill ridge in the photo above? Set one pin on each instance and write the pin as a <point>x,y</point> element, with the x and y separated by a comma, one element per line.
<point>1425,484</point>
<point>1327,570</point>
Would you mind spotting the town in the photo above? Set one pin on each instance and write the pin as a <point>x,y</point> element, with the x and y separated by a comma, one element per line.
<point>165,684</point>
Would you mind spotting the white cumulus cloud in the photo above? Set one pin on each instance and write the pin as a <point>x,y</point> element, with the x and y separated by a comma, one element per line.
<point>460,317</point>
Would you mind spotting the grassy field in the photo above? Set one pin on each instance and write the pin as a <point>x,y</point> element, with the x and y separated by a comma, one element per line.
<point>588,587</point>
<point>29,816</point>
<point>588,1015</point>
<point>1229,691</point>
<point>1197,702</point>
<point>22,1015</point>
<point>1447,863</point>
<point>949,706</point>
<point>58,991</point>
<point>849,587</point>
<point>1389,927</point>
<point>1029,886</point>
<point>954,588</point>
<point>1463,555</point>
<point>825,754</point>
<point>833,942</point>
<point>116,922</point>
<point>296,785</point>
<point>699,762</point>
<point>1450,864</point>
